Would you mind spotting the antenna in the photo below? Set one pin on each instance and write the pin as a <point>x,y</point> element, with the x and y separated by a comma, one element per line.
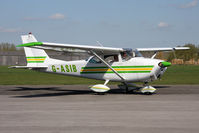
<point>99,43</point>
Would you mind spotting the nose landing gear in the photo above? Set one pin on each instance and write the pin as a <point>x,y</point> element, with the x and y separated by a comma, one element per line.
<point>146,89</point>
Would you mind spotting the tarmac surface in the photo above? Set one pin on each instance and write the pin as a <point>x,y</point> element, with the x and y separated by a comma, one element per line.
<point>76,109</point>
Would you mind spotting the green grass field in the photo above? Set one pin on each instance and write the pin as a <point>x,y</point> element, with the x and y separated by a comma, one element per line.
<point>176,74</point>
<point>180,74</point>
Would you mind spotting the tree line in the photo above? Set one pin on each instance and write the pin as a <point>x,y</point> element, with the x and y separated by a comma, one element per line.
<point>8,47</point>
<point>186,55</point>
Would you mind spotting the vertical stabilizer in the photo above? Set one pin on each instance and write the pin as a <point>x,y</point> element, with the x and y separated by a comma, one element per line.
<point>35,57</point>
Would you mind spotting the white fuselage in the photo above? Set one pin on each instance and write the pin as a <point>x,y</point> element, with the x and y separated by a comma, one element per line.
<point>136,69</point>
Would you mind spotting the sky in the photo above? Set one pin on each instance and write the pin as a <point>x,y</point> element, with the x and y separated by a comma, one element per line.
<point>114,23</point>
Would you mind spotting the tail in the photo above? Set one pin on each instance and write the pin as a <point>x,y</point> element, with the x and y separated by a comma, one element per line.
<point>35,57</point>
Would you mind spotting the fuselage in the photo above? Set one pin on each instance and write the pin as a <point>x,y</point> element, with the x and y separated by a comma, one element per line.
<point>138,69</point>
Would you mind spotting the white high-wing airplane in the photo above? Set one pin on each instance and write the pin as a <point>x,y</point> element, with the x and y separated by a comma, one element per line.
<point>106,63</point>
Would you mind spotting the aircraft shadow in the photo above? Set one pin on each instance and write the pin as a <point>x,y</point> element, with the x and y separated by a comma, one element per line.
<point>48,92</point>
<point>34,92</point>
<point>35,89</point>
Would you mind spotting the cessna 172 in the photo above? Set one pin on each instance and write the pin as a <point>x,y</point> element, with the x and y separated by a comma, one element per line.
<point>106,63</point>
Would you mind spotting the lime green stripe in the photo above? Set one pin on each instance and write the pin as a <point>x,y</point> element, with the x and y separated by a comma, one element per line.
<point>36,57</point>
<point>30,44</point>
<point>35,61</point>
<point>132,66</point>
<point>119,67</point>
<point>118,72</point>
<point>100,88</point>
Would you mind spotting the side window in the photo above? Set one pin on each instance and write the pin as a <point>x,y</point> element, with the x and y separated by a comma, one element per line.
<point>95,60</point>
<point>111,58</point>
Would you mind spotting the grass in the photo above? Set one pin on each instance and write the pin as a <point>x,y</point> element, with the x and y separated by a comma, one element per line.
<point>176,74</point>
<point>180,74</point>
<point>10,76</point>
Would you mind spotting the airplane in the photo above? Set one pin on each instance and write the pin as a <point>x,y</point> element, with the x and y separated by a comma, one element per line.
<point>124,65</point>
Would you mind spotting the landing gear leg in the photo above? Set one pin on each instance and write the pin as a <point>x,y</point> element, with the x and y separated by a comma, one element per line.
<point>126,88</point>
<point>146,84</point>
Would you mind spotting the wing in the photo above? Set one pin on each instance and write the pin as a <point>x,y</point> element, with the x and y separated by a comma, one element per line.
<point>70,47</point>
<point>97,49</point>
<point>74,48</point>
<point>161,49</point>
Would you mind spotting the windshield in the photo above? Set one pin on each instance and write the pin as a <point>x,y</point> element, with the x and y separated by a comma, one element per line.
<point>130,54</point>
<point>137,54</point>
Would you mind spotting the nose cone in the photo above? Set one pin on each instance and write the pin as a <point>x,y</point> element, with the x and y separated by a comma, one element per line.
<point>166,64</point>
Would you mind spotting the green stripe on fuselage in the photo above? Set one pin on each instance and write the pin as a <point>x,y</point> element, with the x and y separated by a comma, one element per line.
<point>118,67</point>
<point>117,71</point>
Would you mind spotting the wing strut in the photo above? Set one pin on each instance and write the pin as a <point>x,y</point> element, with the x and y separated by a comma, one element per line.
<point>108,65</point>
<point>154,55</point>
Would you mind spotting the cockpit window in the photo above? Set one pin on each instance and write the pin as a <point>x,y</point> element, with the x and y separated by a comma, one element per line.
<point>111,58</point>
<point>130,54</point>
<point>95,60</point>
<point>126,55</point>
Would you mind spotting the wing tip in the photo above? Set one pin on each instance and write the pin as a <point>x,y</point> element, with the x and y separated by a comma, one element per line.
<point>30,44</point>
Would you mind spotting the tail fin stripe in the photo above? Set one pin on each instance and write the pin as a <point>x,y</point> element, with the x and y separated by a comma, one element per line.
<point>35,61</point>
